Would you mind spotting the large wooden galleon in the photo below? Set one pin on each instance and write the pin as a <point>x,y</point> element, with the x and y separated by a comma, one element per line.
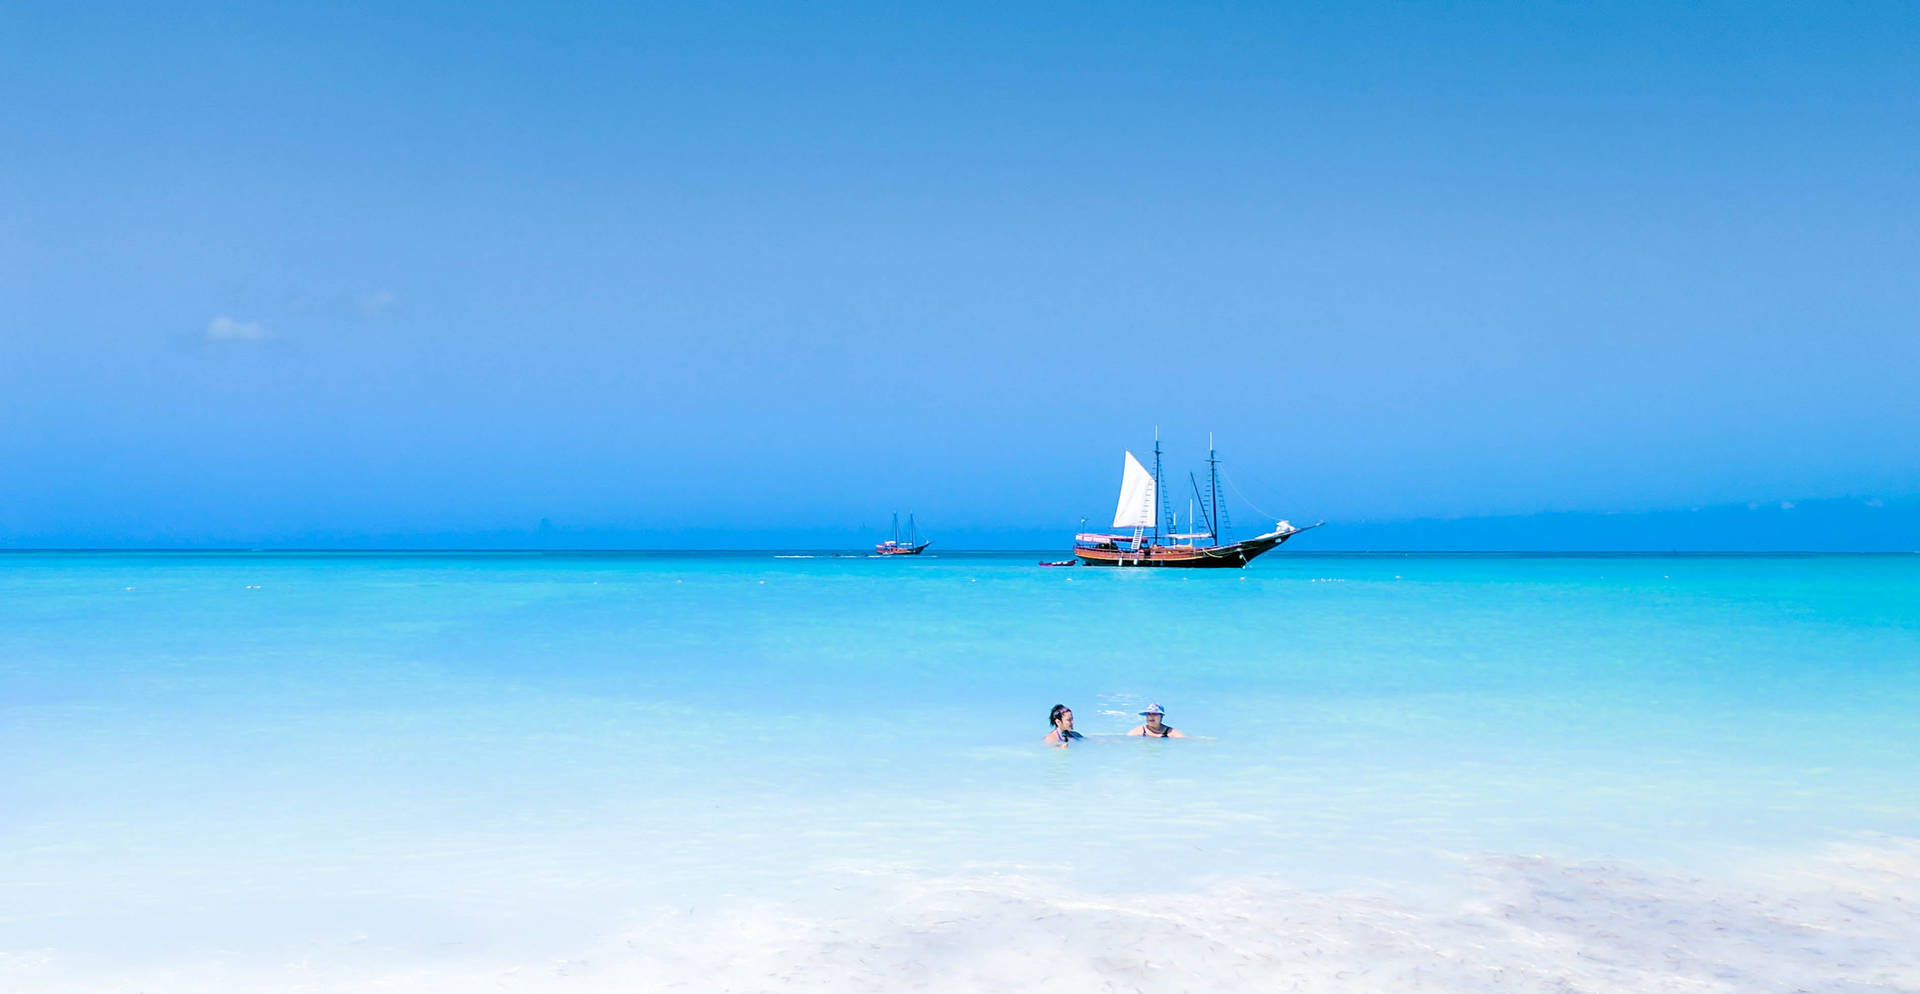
<point>895,546</point>
<point>1147,545</point>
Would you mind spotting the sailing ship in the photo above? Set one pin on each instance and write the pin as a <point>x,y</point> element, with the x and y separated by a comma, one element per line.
<point>1146,545</point>
<point>895,547</point>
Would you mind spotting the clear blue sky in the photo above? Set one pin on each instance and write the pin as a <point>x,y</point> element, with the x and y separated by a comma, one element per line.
<point>665,274</point>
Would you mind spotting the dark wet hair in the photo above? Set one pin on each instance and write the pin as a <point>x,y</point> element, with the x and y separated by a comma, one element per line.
<point>1053,717</point>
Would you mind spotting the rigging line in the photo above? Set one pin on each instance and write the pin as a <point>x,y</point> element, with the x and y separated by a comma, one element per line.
<point>1236,489</point>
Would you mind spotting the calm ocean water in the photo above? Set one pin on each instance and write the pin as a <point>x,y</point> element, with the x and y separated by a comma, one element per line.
<point>736,771</point>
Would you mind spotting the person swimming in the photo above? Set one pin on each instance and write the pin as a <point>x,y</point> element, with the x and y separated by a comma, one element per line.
<point>1155,728</point>
<point>1063,735</point>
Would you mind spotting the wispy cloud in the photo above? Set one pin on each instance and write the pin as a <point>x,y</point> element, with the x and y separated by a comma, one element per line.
<point>375,303</point>
<point>226,329</point>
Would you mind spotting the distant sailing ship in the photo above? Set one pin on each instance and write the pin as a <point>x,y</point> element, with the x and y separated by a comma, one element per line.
<point>895,547</point>
<point>1146,545</point>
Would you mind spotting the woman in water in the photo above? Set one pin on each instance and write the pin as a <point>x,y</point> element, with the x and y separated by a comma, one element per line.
<point>1063,734</point>
<point>1154,728</point>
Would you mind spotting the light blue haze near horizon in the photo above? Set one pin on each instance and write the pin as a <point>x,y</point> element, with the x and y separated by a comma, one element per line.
<point>686,274</point>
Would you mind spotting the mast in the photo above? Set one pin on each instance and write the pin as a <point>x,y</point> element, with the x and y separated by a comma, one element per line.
<point>896,527</point>
<point>1213,489</point>
<point>1156,486</point>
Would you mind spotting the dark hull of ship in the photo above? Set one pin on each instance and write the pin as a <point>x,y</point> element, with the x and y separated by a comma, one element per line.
<point>1182,556</point>
<point>901,550</point>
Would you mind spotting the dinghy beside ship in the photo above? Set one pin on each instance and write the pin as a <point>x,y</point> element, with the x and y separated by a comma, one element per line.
<point>1145,545</point>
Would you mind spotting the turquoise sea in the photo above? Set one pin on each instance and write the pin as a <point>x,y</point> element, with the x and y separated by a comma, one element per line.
<point>750,771</point>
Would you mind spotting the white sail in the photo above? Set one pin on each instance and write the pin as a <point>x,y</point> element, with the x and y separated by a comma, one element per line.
<point>1136,497</point>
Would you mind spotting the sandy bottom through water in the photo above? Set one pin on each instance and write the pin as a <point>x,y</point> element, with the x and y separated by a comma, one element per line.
<point>1846,920</point>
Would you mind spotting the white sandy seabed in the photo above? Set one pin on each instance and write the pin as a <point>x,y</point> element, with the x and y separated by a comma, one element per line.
<point>1847,920</point>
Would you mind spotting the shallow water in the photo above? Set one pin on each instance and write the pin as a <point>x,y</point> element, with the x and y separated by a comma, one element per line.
<point>267,772</point>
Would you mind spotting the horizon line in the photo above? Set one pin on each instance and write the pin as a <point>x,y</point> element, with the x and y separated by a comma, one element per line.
<point>856,554</point>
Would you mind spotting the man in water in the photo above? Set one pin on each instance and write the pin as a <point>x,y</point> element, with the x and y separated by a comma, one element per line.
<point>1154,728</point>
<point>1061,717</point>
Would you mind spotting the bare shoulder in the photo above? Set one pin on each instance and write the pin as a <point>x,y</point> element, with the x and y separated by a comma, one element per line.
<point>1175,733</point>
<point>1137,730</point>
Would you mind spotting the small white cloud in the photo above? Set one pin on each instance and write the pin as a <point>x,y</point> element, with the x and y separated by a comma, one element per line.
<point>1786,505</point>
<point>1876,502</point>
<point>378,302</point>
<point>226,329</point>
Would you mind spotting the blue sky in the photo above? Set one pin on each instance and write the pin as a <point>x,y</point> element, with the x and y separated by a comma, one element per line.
<point>676,274</point>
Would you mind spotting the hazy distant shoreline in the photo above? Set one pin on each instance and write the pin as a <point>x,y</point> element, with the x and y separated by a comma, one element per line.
<point>1863,525</point>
